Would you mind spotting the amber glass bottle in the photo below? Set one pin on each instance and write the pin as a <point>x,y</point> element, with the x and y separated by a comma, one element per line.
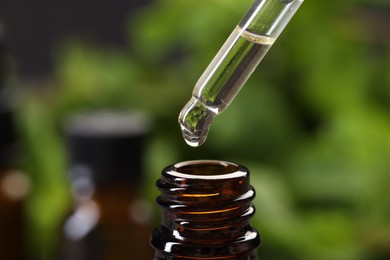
<point>109,219</point>
<point>13,183</point>
<point>206,207</point>
<point>14,187</point>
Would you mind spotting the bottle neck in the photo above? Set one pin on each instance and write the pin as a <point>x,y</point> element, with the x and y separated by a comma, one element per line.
<point>112,202</point>
<point>85,189</point>
<point>206,207</point>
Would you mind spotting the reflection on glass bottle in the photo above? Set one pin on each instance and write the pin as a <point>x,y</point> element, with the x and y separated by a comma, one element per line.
<point>206,207</point>
<point>109,220</point>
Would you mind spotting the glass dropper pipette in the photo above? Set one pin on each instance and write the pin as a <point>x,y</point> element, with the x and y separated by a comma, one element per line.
<point>233,64</point>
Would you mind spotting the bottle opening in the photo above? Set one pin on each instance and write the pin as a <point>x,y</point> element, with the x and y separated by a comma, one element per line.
<point>207,169</point>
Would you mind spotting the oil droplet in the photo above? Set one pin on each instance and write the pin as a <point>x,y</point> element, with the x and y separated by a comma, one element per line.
<point>195,120</point>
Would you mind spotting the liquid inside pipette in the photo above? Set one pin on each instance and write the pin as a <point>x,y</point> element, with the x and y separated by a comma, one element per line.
<point>221,82</point>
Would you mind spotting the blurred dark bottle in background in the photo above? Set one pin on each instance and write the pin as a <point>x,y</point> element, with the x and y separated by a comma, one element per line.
<point>109,219</point>
<point>14,187</point>
<point>14,184</point>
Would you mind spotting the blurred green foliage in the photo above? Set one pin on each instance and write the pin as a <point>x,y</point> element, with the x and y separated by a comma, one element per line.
<point>312,123</point>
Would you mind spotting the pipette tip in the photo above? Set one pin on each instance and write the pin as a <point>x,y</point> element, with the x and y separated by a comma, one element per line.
<point>195,120</point>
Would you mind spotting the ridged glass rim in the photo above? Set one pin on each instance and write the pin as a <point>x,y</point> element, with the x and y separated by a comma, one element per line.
<point>237,171</point>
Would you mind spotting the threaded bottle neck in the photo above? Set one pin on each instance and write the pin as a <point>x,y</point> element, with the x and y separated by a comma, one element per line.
<point>206,206</point>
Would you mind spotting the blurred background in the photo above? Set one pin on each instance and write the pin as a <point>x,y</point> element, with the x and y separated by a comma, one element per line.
<point>312,123</point>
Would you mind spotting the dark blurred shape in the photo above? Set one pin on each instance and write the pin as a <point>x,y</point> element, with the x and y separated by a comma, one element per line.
<point>373,22</point>
<point>8,139</point>
<point>3,50</point>
<point>110,220</point>
<point>2,46</point>
<point>36,26</point>
<point>14,187</point>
